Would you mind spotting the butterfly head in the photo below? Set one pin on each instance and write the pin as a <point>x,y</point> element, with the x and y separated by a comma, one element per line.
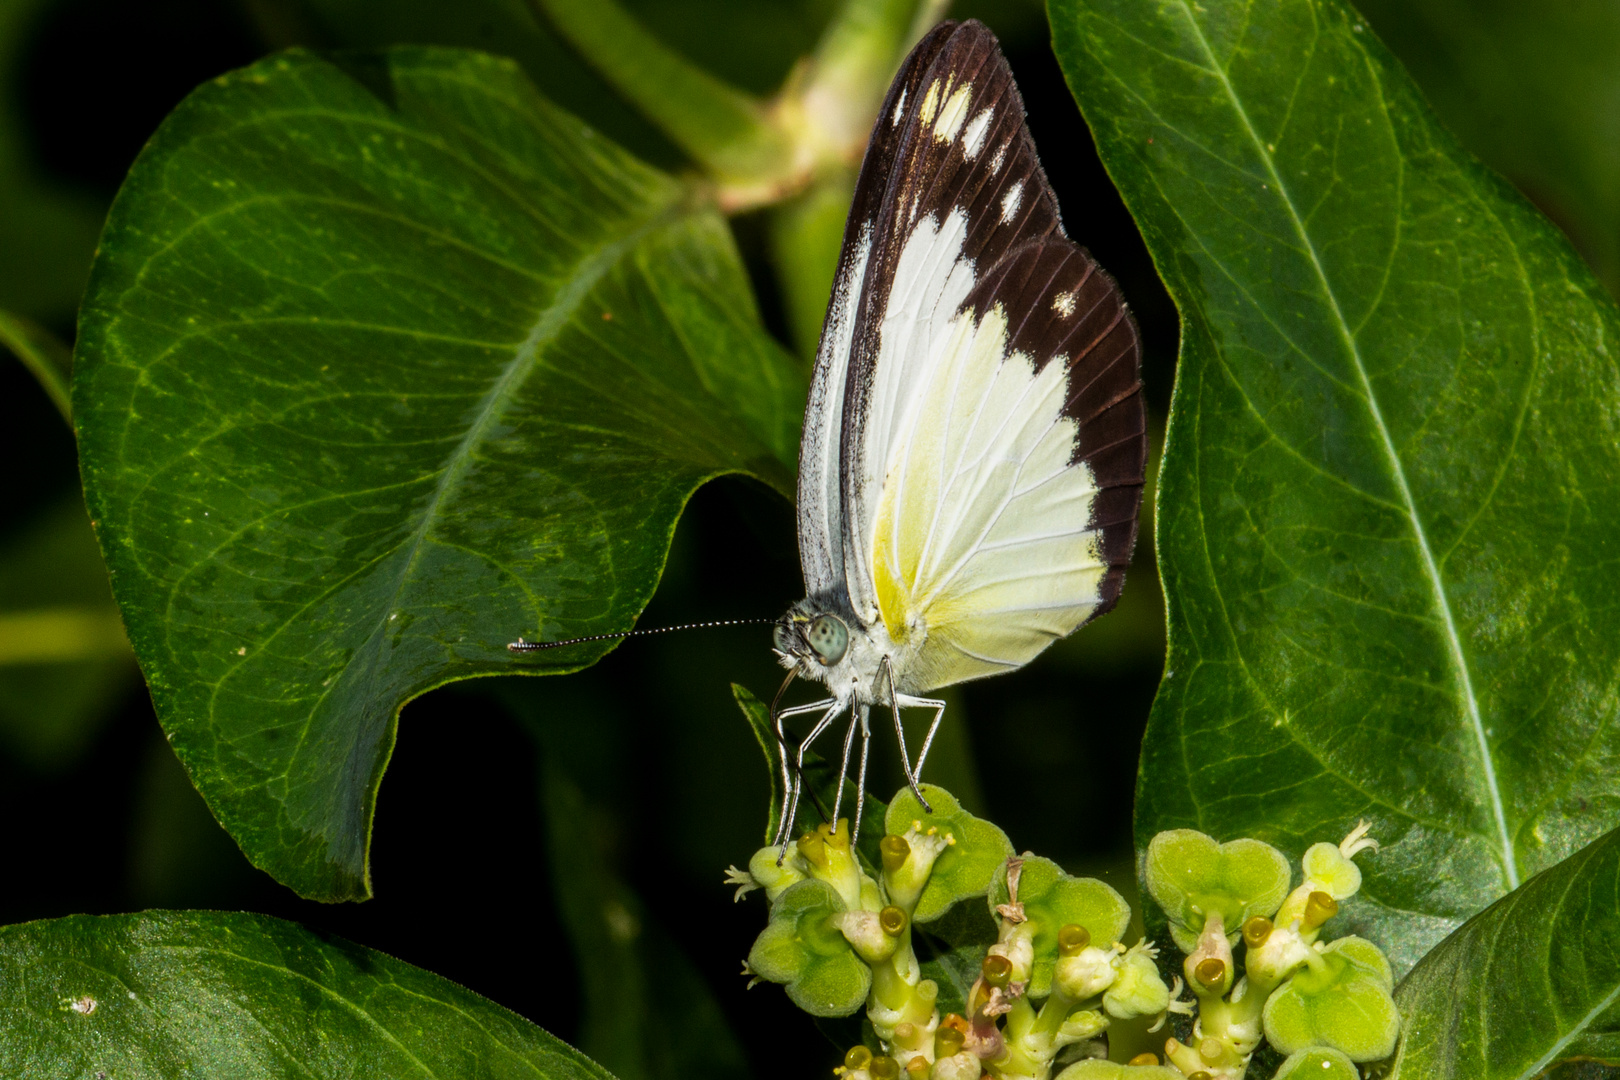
<point>809,639</point>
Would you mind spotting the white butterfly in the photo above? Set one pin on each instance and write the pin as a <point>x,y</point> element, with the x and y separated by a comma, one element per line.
<point>974,444</point>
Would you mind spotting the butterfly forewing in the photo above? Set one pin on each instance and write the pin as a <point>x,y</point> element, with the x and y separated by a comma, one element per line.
<point>820,499</point>
<point>979,442</point>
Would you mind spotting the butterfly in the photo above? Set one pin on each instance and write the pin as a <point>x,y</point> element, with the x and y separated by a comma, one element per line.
<point>974,442</point>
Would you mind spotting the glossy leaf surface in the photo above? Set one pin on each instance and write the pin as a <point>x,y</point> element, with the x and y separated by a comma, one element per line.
<point>201,995</point>
<point>1534,90</point>
<point>1386,507</point>
<point>382,366</point>
<point>1527,988</point>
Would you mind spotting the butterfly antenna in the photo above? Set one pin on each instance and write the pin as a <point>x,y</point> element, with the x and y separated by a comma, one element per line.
<point>534,646</point>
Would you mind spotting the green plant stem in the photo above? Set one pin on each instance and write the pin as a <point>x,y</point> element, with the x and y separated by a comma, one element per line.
<point>854,61</point>
<point>725,130</point>
<point>61,634</point>
<point>41,353</point>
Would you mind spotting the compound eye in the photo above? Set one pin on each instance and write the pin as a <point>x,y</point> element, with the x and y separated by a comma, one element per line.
<point>829,638</point>
<point>784,642</point>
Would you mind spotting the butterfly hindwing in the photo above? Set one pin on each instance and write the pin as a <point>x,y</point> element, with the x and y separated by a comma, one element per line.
<point>993,442</point>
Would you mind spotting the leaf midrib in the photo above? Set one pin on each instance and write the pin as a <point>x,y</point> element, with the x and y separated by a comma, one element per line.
<point>524,362</point>
<point>1397,470</point>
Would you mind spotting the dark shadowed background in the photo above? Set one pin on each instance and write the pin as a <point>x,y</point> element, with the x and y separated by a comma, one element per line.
<point>644,758</point>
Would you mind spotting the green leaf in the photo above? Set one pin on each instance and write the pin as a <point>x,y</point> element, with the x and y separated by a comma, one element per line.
<point>1532,90</point>
<point>954,971</point>
<point>1388,573</point>
<point>46,358</point>
<point>172,995</point>
<point>967,866</point>
<point>1532,981</point>
<point>383,365</point>
<point>646,1013</point>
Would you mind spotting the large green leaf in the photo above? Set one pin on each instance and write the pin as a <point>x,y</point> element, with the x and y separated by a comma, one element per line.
<point>1386,512</point>
<point>385,362</point>
<point>1534,90</point>
<point>173,995</point>
<point>1532,981</point>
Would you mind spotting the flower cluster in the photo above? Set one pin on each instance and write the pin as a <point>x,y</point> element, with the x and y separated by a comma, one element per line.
<point>1052,971</point>
<point>1325,1004</point>
<point>841,935</point>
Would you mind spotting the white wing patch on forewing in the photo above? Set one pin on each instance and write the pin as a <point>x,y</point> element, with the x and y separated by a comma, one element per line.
<point>820,517</point>
<point>980,550</point>
<point>899,107</point>
<point>1011,201</point>
<point>977,129</point>
<point>931,279</point>
<point>953,113</point>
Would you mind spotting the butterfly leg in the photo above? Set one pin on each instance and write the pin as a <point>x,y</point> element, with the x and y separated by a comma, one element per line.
<point>781,735</point>
<point>900,734</point>
<point>843,771</point>
<point>835,707</point>
<point>909,702</point>
<point>860,784</point>
<point>791,776</point>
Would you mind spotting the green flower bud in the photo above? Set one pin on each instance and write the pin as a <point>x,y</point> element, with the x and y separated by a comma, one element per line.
<point>1079,1026</point>
<point>1048,900</point>
<point>775,879</point>
<point>1138,989</point>
<point>1330,876</point>
<point>865,931</point>
<point>1331,867</point>
<point>1208,967</point>
<point>953,854</point>
<point>1192,877</point>
<point>827,856</point>
<point>1340,999</point>
<point>1096,1069</point>
<point>1017,948</point>
<point>1317,1063</point>
<point>803,949</point>
<point>1085,974</point>
<point>963,1065</point>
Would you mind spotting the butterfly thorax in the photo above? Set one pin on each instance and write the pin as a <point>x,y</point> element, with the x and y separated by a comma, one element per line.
<point>821,640</point>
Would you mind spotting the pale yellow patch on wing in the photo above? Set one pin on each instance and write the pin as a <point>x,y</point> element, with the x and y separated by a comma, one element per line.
<point>954,113</point>
<point>930,103</point>
<point>981,552</point>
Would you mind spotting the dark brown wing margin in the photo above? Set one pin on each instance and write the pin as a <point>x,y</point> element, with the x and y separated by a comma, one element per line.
<point>1062,307</point>
<point>1022,259</point>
